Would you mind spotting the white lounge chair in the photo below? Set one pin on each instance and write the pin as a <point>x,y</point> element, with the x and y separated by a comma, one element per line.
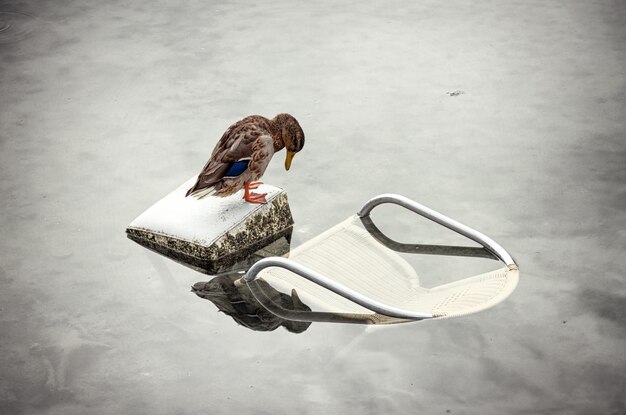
<point>354,271</point>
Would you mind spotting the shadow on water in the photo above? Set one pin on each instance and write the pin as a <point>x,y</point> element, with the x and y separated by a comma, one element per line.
<point>606,305</point>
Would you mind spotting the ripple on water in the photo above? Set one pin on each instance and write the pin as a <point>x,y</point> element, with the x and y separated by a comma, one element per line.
<point>16,26</point>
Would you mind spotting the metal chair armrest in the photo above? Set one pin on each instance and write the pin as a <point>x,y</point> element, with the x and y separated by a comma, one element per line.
<point>488,243</point>
<point>333,286</point>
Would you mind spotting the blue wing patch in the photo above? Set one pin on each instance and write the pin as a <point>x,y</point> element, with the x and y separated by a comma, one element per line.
<point>237,168</point>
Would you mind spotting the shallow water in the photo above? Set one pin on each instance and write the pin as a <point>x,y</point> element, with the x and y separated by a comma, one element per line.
<point>106,107</point>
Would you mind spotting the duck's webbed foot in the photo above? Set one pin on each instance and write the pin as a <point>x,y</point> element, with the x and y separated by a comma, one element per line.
<point>256,198</point>
<point>253,197</point>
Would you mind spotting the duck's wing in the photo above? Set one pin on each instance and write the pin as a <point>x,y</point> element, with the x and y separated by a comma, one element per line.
<point>235,148</point>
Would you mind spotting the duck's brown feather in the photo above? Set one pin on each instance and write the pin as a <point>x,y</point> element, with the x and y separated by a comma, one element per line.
<point>246,139</point>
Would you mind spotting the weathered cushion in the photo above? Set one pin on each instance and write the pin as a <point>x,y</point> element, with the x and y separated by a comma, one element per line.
<point>214,233</point>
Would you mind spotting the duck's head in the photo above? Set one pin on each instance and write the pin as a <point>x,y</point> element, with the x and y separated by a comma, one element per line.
<point>291,134</point>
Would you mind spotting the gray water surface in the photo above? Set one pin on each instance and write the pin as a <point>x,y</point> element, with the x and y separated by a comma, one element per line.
<point>107,106</point>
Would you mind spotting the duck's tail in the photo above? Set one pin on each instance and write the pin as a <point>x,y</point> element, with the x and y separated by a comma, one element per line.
<point>201,193</point>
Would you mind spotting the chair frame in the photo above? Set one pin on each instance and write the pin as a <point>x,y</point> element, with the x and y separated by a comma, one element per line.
<point>489,245</point>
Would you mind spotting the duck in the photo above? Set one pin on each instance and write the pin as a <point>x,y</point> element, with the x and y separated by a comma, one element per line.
<point>241,156</point>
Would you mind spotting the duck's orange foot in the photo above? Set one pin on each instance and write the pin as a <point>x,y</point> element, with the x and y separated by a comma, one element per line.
<point>256,198</point>
<point>253,197</point>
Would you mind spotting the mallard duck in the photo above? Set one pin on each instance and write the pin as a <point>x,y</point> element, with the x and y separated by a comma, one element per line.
<point>244,152</point>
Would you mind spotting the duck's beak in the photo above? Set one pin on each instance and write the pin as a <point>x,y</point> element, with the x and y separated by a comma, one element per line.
<point>290,155</point>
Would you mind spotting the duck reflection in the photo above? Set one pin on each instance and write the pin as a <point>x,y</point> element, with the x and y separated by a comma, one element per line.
<point>235,299</point>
